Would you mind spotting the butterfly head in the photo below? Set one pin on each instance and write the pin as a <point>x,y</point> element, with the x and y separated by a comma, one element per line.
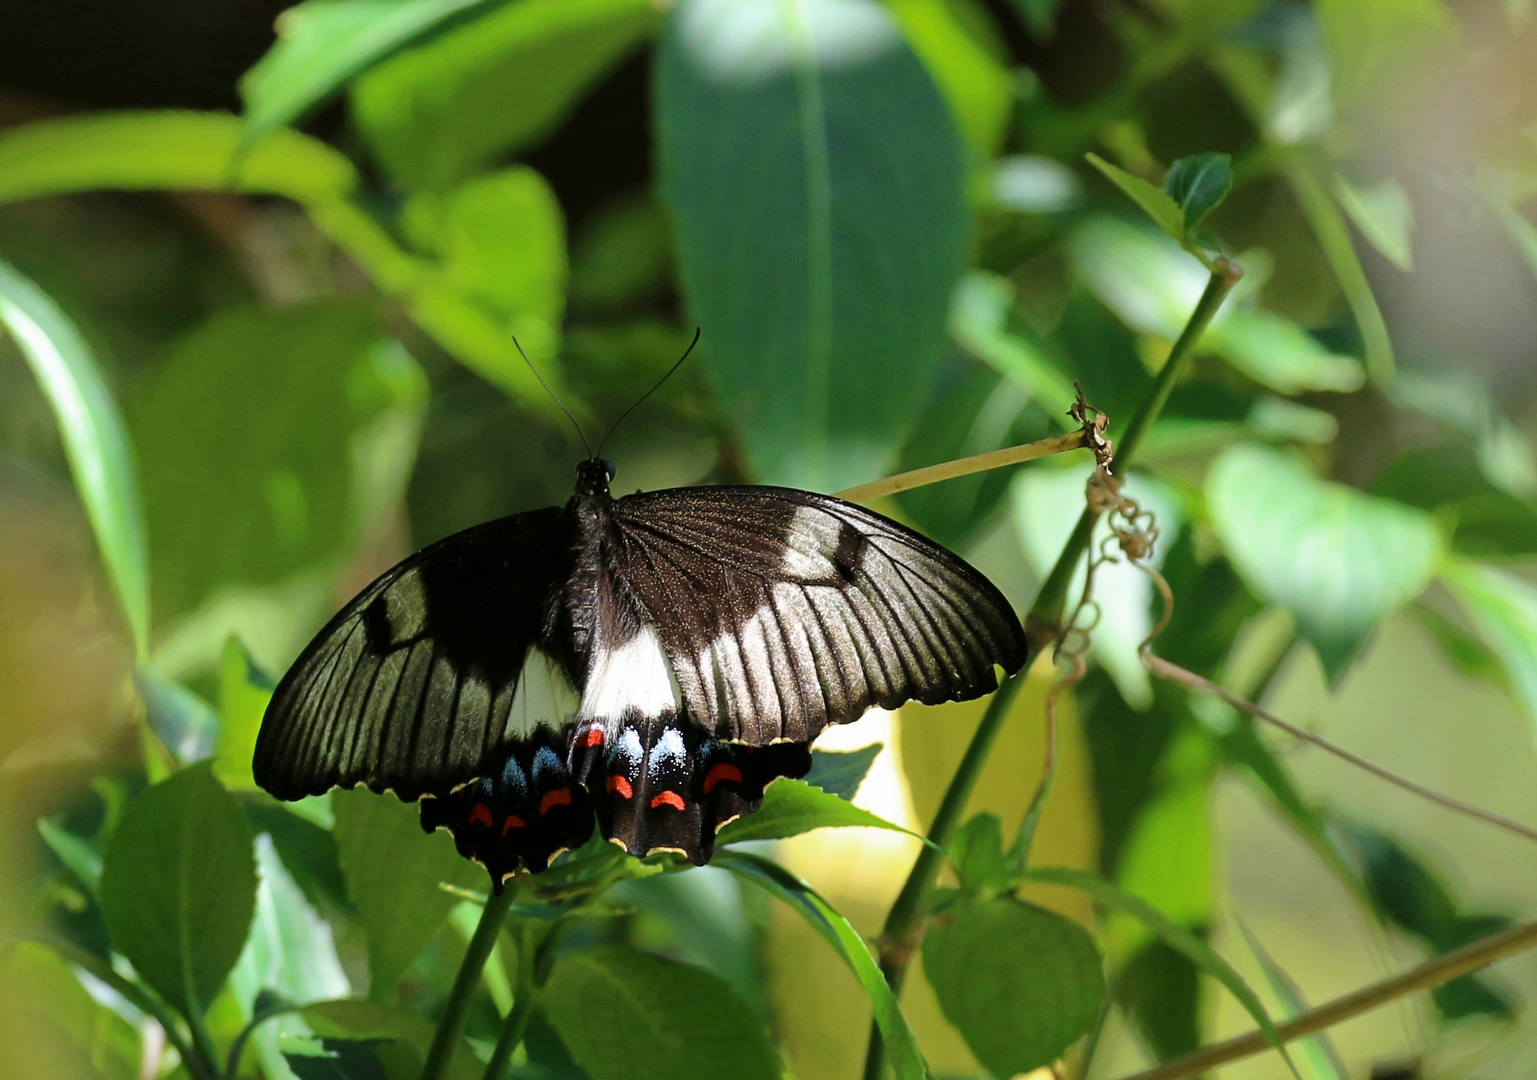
<point>593,476</point>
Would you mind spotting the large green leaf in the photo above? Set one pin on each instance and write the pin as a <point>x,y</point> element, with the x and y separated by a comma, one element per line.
<point>393,871</point>
<point>93,435</point>
<point>1020,983</point>
<point>246,433</point>
<point>818,185</point>
<point>181,151</point>
<point>178,886</point>
<point>967,70</point>
<point>1503,608</point>
<point>323,43</point>
<point>901,1046</point>
<point>626,1014</point>
<point>791,807</point>
<point>440,111</point>
<point>501,240</point>
<point>1338,560</point>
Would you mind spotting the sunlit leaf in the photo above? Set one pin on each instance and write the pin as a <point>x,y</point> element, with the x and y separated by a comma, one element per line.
<point>1338,560</point>
<point>323,43</point>
<point>976,84</point>
<point>440,111</point>
<point>791,807</point>
<point>1280,354</point>
<point>1503,608</point>
<point>243,695</point>
<point>841,772</point>
<point>821,272</point>
<point>979,313</point>
<point>626,1014</point>
<point>393,871</point>
<point>1020,983</point>
<point>1159,206</point>
<point>1198,185</point>
<point>178,887</point>
<point>1172,934</point>
<point>92,431</point>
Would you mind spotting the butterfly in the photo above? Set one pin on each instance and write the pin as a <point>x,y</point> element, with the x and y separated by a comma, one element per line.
<point>651,662</point>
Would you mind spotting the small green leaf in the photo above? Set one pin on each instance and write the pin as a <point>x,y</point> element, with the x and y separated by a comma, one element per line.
<point>393,870</point>
<point>791,807</point>
<point>790,235</point>
<point>840,773</point>
<point>1464,650</point>
<point>1159,206</point>
<point>1339,560</point>
<point>1317,1059</point>
<point>626,1014</point>
<point>79,856</point>
<point>323,43</point>
<point>184,722</point>
<point>1278,353</point>
<point>1172,934</point>
<point>906,1059</point>
<point>1198,185</point>
<point>979,323</point>
<point>1020,983</point>
<point>178,887</point>
<point>1383,214</point>
<point>95,441</point>
<point>1503,608</point>
<point>243,695</point>
<point>448,107</point>
<point>977,851</point>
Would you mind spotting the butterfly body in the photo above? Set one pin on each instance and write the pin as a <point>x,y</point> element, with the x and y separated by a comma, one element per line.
<point>657,659</point>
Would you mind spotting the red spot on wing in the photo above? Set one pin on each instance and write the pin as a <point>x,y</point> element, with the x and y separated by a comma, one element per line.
<point>722,772</point>
<point>480,814</point>
<point>591,737</point>
<point>621,785</point>
<point>558,797</point>
<point>668,798</point>
<point>512,822</point>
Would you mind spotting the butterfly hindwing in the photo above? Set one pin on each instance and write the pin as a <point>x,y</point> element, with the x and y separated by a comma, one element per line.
<point>414,686</point>
<point>783,611</point>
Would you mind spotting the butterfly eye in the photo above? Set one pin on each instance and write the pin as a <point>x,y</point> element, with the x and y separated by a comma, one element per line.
<point>608,467</point>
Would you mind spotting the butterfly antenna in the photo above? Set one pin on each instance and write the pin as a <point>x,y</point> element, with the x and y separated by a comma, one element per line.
<point>653,390</point>
<point>585,444</point>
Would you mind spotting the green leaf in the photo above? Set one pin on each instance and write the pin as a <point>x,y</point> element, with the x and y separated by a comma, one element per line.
<point>38,983</point>
<point>1464,650</point>
<point>979,317</point>
<point>184,722</point>
<point>976,85</point>
<point>1278,353</point>
<point>1338,560</point>
<point>243,695</point>
<point>246,432</point>
<point>901,1046</point>
<point>1383,214</point>
<point>178,887</point>
<point>393,870</point>
<point>1503,608</point>
<point>80,857</point>
<point>1378,48</point>
<point>821,272</point>
<point>441,111</point>
<point>791,807</point>
<point>1448,480</point>
<point>1316,1057</point>
<point>342,1059</point>
<point>1198,185</point>
<point>323,43</point>
<point>626,1014</point>
<point>501,240</point>
<point>180,151</point>
<point>93,434</point>
<point>977,851</point>
<point>1168,214</point>
<point>1172,934</point>
<point>840,773</point>
<point>1020,983</point>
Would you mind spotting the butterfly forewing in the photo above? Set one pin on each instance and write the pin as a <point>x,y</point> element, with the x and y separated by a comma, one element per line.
<point>413,686</point>
<point>783,611</point>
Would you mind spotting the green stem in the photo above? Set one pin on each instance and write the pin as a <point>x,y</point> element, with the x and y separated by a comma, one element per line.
<point>899,937</point>
<point>451,1026</point>
<point>533,963</point>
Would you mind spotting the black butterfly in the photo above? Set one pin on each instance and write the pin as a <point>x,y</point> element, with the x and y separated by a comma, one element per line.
<point>658,658</point>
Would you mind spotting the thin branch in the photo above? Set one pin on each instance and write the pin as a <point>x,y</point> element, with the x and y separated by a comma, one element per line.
<point>1190,680</point>
<point>949,470</point>
<point>1442,969</point>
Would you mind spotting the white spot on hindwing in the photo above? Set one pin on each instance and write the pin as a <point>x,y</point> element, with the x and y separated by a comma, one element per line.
<point>633,675</point>
<point>405,603</point>
<point>669,751</point>
<point>544,697</point>
<point>811,541</point>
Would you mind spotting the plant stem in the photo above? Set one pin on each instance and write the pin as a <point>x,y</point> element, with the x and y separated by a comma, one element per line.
<point>900,935</point>
<point>1442,969</point>
<point>446,1039</point>
<point>949,470</point>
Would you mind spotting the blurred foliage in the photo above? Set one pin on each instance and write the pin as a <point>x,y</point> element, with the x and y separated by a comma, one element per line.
<point>274,352</point>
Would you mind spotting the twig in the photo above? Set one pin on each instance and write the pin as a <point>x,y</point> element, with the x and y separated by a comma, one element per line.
<point>949,470</point>
<point>1190,680</point>
<point>1442,969</point>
